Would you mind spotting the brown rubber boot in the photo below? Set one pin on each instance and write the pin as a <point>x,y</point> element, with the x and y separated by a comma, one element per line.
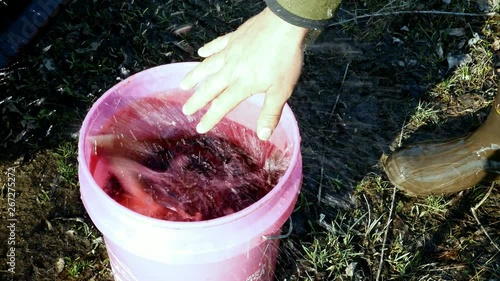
<point>451,166</point>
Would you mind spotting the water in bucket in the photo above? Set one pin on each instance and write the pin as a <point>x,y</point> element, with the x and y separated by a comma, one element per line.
<point>125,142</point>
<point>160,167</point>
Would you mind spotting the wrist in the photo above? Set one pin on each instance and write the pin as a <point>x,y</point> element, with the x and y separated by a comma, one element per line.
<point>293,32</point>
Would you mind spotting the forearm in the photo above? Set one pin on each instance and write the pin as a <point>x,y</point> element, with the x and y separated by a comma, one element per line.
<point>305,13</point>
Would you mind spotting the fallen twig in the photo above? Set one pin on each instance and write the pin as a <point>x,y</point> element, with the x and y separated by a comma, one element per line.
<point>395,13</point>
<point>473,210</point>
<point>401,134</point>
<point>389,220</point>
<point>329,119</point>
<point>320,187</point>
<point>340,91</point>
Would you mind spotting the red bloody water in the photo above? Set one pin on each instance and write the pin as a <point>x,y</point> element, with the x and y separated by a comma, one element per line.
<point>160,167</point>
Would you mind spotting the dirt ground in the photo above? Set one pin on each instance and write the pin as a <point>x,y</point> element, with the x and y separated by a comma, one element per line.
<point>367,87</point>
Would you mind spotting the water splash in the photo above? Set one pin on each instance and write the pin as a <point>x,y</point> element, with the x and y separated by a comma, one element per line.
<point>160,167</point>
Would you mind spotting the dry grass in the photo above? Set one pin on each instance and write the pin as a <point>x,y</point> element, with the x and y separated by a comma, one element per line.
<point>345,232</point>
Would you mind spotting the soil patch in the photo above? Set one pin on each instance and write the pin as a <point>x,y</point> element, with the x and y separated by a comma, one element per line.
<point>367,87</point>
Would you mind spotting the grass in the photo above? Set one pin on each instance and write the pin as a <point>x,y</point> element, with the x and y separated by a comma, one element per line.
<point>425,113</point>
<point>329,255</point>
<point>405,258</point>
<point>76,267</point>
<point>66,161</point>
<point>399,258</point>
<point>94,45</point>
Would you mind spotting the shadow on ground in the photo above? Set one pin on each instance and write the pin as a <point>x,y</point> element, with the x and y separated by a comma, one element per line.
<point>354,102</point>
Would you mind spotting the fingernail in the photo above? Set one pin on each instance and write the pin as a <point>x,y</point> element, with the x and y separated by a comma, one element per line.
<point>186,111</point>
<point>264,133</point>
<point>201,129</point>
<point>201,51</point>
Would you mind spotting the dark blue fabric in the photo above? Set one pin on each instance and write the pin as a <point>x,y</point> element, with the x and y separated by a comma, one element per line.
<point>25,27</point>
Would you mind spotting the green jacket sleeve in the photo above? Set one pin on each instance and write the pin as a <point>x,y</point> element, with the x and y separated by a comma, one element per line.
<point>305,13</point>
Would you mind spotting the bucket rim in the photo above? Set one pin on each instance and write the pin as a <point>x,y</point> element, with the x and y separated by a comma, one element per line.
<point>179,225</point>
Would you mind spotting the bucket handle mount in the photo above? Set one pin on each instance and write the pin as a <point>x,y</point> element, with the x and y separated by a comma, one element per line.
<point>280,236</point>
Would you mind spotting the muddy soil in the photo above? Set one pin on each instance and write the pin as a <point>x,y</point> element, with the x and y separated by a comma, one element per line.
<point>356,93</point>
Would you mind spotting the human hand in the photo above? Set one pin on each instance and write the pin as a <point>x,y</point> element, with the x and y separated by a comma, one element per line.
<point>264,55</point>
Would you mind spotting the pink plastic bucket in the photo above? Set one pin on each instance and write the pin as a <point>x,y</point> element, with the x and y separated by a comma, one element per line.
<point>237,247</point>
